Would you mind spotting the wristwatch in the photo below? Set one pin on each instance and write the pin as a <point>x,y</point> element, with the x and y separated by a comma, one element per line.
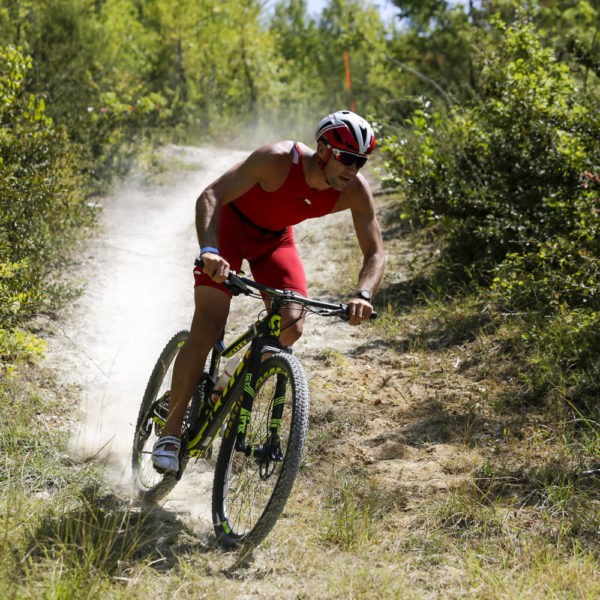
<point>364,295</point>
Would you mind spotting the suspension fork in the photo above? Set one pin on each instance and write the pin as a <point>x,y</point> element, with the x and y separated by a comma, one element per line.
<point>277,410</point>
<point>271,443</point>
<point>247,399</point>
<point>267,344</point>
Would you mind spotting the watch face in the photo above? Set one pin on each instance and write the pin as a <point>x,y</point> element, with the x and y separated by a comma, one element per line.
<point>364,295</point>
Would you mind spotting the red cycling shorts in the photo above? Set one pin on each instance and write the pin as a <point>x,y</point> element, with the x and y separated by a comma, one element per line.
<point>273,258</point>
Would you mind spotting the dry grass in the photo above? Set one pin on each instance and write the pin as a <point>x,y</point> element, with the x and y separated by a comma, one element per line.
<point>422,480</point>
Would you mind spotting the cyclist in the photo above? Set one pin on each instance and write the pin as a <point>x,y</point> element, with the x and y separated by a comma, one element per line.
<point>248,213</point>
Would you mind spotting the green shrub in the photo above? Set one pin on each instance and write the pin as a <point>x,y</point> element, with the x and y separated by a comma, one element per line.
<point>504,172</point>
<point>511,181</point>
<point>42,196</point>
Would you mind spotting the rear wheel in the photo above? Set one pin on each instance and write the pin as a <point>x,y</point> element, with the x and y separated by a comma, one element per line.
<point>151,485</point>
<point>251,488</point>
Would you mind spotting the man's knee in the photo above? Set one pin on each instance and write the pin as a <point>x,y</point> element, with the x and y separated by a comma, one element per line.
<point>204,334</point>
<point>210,316</point>
<point>291,334</point>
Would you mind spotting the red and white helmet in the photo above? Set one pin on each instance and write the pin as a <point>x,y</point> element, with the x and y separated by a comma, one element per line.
<point>346,131</point>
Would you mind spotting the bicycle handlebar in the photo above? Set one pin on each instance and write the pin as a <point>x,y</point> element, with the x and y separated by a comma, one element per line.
<point>238,284</point>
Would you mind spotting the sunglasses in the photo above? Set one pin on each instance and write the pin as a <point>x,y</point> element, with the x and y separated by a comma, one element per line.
<point>348,159</point>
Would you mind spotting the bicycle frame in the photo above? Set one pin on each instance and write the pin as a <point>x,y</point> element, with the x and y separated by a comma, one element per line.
<point>264,333</point>
<point>262,413</point>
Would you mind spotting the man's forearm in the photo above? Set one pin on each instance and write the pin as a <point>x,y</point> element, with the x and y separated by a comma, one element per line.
<point>371,273</point>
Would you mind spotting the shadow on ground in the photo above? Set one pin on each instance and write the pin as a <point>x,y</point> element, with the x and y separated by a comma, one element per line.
<point>107,532</point>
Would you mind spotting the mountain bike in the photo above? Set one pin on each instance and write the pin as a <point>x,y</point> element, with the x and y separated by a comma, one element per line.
<point>261,414</point>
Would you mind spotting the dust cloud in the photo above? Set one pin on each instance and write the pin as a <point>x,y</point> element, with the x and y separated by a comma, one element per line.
<point>138,274</point>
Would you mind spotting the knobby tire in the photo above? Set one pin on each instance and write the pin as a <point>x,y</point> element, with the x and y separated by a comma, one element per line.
<point>246,506</point>
<point>152,486</point>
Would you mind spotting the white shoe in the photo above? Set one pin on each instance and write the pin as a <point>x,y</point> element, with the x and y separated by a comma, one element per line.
<point>163,459</point>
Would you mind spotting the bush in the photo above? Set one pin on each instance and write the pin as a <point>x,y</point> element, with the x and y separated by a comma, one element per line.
<point>42,196</point>
<point>504,173</point>
<point>512,182</point>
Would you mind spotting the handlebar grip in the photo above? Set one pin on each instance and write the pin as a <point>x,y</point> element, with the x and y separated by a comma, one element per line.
<point>345,317</point>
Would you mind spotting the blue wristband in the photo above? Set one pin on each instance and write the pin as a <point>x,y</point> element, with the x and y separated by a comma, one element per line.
<point>209,249</point>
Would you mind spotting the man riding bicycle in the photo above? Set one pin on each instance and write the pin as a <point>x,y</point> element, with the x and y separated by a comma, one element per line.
<point>248,213</point>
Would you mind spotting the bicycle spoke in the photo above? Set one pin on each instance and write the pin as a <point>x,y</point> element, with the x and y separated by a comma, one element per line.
<point>251,486</point>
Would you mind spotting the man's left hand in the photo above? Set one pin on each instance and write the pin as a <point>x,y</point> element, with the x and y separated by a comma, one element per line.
<point>359,310</point>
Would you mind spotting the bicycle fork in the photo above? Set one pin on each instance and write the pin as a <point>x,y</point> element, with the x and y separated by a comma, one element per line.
<point>268,448</point>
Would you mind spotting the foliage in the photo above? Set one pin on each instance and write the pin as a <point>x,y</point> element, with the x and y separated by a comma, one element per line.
<point>506,173</point>
<point>350,25</point>
<point>432,56</point>
<point>191,71</point>
<point>42,200</point>
<point>512,180</point>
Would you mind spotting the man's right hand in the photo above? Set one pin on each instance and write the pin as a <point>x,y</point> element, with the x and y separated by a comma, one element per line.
<point>215,266</point>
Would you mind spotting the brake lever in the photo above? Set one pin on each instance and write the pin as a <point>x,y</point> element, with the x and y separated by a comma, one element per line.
<point>236,285</point>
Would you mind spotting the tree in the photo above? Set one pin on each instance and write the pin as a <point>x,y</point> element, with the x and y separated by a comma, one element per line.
<point>436,51</point>
<point>298,42</point>
<point>420,13</point>
<point>354,27</point>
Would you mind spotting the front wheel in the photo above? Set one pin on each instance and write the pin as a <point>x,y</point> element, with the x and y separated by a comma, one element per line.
<point>251,488</point>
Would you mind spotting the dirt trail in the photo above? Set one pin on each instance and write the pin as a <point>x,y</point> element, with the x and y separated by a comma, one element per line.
<point>139,280</point>
<point>139,292</point>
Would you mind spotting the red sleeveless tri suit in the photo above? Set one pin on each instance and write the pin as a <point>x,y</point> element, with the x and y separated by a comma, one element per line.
<point>257,227</point>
